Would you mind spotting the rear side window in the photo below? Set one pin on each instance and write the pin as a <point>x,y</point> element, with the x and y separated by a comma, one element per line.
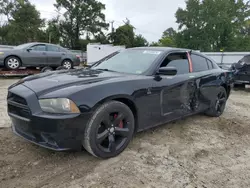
<point>210,64</point>
<point>52,48</point>
<point>199,63</point>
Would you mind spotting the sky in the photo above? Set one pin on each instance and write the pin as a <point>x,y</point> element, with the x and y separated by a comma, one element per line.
<point>149,17</point>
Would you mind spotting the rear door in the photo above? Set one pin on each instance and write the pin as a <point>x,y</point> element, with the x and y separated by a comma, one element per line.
<point>35,56</point>
<point>54,55</point>
<point>206,81</point>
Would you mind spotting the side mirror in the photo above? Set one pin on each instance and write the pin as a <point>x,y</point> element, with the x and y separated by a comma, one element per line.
<point>168,71</point>
<point>29,49</point>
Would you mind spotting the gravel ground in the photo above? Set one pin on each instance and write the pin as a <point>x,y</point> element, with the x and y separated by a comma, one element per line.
<point>195,152</point>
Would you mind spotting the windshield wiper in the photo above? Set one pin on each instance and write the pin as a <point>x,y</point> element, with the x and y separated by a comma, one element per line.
<point>106,70</point>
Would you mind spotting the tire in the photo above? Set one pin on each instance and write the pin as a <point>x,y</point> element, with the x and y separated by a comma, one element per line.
<point>12,63</point>
<point>61,68</point>
<point>67,64</point>
<point>113,123</point>
<point>218,106</point>
<point>47,69</point>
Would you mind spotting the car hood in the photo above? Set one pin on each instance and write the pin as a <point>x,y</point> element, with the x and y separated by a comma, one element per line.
<point>48,82</point>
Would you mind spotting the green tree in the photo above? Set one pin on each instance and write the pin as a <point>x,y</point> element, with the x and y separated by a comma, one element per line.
<point>24,23</point>
<point>123,35</point>
<point>140,41</point>
<point>168,38</point>
<point>211,25</point>
<point>154,44</point>
<point>81,18</point>
<point>52,33</point>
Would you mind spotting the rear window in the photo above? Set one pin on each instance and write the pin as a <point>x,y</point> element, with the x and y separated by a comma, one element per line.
<point>245,59</point>
<point>199,63</point>
<point>52,48</point>
<point>210,64</point>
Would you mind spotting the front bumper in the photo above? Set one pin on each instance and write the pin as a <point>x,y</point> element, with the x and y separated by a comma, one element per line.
<point>56,132</point>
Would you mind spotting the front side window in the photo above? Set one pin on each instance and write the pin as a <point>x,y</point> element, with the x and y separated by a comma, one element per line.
<point>177,60</point>
<point>52,48</point>
<point>199,63</point>
<point>39,47</point>
<point>130,61</point>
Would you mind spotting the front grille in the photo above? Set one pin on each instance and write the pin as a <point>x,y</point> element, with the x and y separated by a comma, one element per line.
<point>18,106</point>
<point>16,98</point>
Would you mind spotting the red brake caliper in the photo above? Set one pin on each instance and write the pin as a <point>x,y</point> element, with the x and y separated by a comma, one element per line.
<point>121,123</point>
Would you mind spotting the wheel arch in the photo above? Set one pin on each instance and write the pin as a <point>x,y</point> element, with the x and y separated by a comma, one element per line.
<point>125,99</point>
<point>13,56</point>
<point>66,59</point>
<point>227,88</point>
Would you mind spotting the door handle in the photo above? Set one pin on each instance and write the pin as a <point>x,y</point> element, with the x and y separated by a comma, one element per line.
<point>63,53</point>
<point>44,53</point>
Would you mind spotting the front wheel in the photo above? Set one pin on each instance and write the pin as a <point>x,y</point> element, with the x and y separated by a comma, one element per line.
<point>218,106</point>
<point>12,62</point>
<point>110,130</point>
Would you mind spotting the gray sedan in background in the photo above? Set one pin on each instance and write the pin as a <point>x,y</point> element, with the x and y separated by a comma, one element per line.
<point>38,55</point>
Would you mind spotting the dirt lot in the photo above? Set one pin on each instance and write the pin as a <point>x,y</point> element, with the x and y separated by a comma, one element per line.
<point>195,152</point>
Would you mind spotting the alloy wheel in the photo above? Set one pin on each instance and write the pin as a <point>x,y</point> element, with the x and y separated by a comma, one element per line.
<point>220,102</point>
<point>113,132</point>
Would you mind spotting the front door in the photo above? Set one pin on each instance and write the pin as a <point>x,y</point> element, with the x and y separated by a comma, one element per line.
<point>179,90</point>
<point>170,96</point>
<point>35,56</point>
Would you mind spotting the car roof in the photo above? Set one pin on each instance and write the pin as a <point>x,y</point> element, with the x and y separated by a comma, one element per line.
<point>165,49</point>
<point>34,43</point>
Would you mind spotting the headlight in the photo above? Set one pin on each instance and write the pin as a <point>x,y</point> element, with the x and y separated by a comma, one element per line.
<point>59,105</point>
<point>1,53</point>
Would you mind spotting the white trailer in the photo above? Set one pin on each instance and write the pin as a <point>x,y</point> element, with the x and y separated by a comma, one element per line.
<point>97,51</point>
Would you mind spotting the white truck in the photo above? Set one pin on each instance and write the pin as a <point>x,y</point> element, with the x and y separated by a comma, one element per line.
<point>97,51</point>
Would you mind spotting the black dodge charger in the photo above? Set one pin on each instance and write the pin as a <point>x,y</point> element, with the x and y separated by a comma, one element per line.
<point>101,107</point>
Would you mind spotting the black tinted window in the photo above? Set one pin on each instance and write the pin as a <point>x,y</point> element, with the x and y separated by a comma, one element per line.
<point>52,48</point>
<point>181,65</point>
<point>199,63</point>
<point>39,47</point>
<point>210,64</point>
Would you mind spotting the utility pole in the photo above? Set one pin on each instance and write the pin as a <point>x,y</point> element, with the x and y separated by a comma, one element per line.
<point>49,37</point>
<point>112,30</point>
<point>112,26</point>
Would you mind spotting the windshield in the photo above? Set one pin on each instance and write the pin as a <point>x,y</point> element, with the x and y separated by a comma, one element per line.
<point>130,61</point>
<point>22,46</point>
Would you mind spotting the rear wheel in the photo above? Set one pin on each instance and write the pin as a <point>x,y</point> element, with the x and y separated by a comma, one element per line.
<point>218,106</point>
<point>110,130</point>
<point>67,64</point>
<point>12,62</point>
